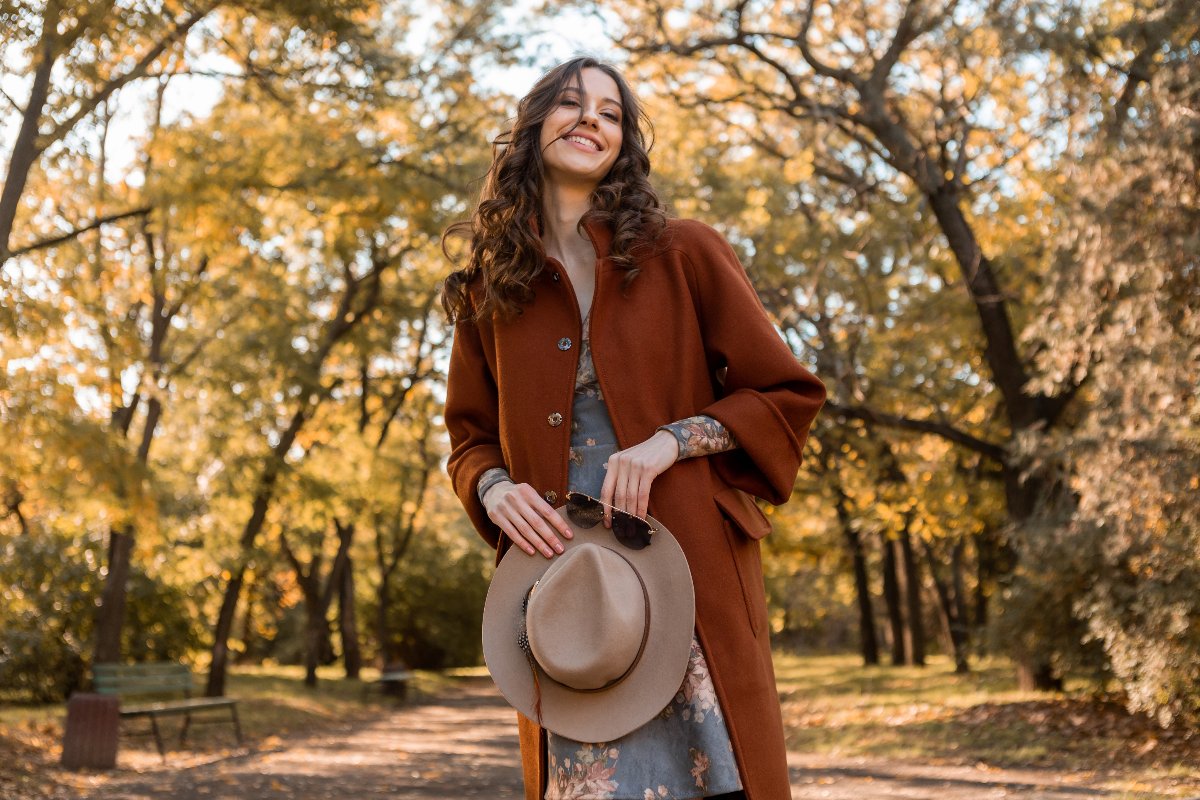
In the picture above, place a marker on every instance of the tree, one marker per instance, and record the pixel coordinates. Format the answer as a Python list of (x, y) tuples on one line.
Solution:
[(1125, 285), (927, 104)]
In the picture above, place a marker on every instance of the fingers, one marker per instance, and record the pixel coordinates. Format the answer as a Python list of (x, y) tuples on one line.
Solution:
[(606, 491), (529, 521), (643, 496), (627, 498), (631, 473)]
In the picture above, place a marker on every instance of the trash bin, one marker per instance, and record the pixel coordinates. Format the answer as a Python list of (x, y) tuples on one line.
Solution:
[(90, 740)]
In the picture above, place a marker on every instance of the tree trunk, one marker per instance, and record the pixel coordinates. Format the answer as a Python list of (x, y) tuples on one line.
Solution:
[(948, 608), (383, 629), (263, 496), (862, 588), (891, 597), (110, 616), (248, 634), (215, 686), (869, 642), (1034, 669), (314, 633), (1034, 674), (985, 573), (25, 147), (914, 625), (348, 624), (318, 638), (960, 594)]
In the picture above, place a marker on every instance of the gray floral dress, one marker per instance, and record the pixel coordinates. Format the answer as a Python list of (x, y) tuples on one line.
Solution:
[(684, 752)]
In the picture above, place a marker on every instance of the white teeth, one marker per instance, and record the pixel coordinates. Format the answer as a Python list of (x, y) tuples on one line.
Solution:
[(583, 141)]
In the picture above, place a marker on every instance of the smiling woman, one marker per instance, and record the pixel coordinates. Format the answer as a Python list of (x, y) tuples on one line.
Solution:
[(582, 136), (601, 349)]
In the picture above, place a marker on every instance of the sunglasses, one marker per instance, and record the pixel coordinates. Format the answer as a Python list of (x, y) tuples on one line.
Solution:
[(630, 530)]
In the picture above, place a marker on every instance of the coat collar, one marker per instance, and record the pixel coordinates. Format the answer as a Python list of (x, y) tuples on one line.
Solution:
[(598, 231)]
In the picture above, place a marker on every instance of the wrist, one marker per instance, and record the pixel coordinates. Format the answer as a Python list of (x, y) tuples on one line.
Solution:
[(670, 432), (492, 492), (669, 441)]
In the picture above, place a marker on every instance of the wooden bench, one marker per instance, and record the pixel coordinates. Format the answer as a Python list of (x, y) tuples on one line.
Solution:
[(164, 681), (392, 682)]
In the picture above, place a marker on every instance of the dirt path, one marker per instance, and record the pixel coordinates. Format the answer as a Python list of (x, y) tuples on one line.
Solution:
[(464, 745)]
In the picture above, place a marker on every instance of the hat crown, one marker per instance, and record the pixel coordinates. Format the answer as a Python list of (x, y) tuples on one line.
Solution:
[(587, 618)]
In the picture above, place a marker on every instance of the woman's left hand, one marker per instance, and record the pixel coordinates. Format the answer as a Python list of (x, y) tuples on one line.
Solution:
[(630, 473)]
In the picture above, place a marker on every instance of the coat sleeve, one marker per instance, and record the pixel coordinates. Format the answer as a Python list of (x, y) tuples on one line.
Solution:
[(768, 400), (473, 421)]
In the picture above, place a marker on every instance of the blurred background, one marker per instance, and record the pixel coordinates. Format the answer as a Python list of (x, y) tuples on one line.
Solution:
[(222, 359)]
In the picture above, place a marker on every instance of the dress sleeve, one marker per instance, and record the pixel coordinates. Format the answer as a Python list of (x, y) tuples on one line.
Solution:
[(699, 436), (491, 478), (473, 422), (768, 400)]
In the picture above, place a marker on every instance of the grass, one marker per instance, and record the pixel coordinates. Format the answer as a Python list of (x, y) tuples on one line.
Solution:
[(835, 706)]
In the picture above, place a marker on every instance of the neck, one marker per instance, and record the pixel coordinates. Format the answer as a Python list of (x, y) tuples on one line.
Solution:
[(562, 208)]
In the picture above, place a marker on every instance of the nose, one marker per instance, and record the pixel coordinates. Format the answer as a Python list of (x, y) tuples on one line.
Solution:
[(589, 118)]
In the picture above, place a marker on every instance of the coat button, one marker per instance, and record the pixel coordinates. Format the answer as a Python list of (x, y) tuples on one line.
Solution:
[(550, 496), (554, 419), (564, 343)]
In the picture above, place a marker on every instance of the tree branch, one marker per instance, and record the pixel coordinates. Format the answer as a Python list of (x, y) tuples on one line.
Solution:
[(138, 70), (91, 226), (942, 429)]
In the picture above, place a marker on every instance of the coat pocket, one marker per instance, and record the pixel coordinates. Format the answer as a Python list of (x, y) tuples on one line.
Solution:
[(739, 509), (743, 525)]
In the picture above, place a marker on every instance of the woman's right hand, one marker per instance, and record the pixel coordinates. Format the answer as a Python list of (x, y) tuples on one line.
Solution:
[(528, 520)]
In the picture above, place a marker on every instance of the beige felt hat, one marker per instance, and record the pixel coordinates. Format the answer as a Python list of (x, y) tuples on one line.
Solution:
[(593, 643)]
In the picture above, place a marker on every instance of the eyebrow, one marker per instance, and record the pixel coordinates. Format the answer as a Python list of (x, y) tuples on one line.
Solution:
[(616, 103)]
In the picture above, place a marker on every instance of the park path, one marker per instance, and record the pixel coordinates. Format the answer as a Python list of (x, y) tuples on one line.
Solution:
[(463, 744)]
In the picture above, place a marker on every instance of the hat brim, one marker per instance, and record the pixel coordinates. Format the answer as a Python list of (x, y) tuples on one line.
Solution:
[(599, 716)]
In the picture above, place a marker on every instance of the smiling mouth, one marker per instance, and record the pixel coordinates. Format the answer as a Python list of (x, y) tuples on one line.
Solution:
[(582, 141)]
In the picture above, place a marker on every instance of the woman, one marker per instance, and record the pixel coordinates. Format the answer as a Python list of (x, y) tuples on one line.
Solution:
[(600, 347)]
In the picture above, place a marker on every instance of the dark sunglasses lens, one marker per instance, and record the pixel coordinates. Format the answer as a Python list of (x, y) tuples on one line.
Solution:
[(631, 531), (587, 512), (583, 510)]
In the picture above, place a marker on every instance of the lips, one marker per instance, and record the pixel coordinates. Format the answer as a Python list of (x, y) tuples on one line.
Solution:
[(594, 144)]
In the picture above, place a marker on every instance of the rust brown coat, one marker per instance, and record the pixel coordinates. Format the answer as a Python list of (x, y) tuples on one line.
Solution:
[(657, 347)]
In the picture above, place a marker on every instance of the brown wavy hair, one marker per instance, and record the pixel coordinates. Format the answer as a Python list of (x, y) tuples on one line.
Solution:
[(504, 250)]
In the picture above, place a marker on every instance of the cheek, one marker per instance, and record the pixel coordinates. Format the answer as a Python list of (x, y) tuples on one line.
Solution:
[(614, 149)]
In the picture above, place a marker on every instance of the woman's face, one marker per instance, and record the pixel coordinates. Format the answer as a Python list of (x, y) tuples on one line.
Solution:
[(583, 152)]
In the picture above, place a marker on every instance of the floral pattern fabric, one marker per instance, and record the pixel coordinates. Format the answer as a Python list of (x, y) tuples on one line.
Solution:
[(700, 435), (682, 753)]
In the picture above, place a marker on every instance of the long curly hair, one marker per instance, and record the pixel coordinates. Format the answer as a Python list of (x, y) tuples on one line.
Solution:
[(504, 250)]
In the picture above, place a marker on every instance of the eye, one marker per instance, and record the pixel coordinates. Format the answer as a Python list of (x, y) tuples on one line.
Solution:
[(612, 115), (567, 101)]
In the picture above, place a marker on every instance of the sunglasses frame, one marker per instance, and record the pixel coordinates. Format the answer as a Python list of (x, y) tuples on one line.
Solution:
[(631, 540)]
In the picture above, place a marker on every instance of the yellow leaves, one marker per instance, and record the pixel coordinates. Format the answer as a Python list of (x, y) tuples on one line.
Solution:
[(757, 197), (799, 169)]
